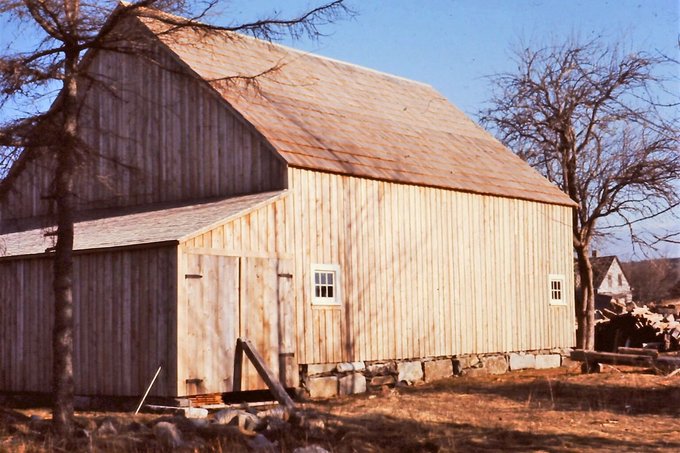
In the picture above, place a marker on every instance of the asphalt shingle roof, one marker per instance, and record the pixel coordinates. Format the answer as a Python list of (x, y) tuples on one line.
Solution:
[(159, 225)]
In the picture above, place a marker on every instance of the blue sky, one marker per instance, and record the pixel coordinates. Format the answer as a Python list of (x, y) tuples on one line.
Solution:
[(453, 45)]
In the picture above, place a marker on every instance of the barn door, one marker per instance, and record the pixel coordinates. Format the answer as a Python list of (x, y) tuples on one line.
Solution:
[(230, 297), (267, 319), (211, 322)]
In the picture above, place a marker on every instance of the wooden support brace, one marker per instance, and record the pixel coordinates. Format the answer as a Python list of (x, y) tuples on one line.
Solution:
[(245, 345)]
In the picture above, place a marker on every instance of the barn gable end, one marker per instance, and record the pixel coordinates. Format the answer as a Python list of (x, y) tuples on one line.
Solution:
[(157, 134)]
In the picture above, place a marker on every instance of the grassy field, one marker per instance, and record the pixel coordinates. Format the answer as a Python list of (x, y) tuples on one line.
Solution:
[(546, 410)]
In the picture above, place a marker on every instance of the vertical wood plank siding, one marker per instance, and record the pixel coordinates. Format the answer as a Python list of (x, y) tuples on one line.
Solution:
[(426, 272), (124, 322), (156, 135)]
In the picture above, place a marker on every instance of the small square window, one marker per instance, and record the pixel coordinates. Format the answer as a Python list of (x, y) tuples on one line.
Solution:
[(556, 288), (325, 278)]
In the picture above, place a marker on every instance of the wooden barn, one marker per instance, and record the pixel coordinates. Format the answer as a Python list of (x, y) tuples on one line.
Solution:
[(328, 212)]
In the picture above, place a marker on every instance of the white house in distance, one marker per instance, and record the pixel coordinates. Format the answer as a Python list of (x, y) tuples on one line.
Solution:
[(330, 214), (612, 288)]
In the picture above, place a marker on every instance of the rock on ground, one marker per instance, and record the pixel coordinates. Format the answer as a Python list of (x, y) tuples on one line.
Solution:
[(167, 434), (311, 449)]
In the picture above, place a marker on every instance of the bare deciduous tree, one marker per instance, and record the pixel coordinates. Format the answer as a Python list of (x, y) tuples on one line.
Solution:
[(66, 30), (588, 117)]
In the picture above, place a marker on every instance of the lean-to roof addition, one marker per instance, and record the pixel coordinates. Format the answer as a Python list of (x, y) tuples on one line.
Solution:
[(137, 228), (332, 116)]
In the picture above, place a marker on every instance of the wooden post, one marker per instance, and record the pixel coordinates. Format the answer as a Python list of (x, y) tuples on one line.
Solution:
[(238, 366)]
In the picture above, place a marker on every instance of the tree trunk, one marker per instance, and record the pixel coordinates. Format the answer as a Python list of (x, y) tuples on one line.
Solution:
[(62, 371), (585, 304)]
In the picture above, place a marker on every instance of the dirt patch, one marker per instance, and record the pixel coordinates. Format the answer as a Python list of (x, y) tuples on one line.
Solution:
[(623, 409)]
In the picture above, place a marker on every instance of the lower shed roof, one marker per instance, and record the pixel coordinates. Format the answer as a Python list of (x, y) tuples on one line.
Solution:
[(175, 223)]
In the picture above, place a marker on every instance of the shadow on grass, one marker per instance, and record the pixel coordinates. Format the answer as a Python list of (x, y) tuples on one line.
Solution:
[(386, 433), (567, 395)]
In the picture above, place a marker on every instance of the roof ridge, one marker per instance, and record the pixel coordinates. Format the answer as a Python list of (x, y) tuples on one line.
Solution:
[(217, 30), (311, 54)]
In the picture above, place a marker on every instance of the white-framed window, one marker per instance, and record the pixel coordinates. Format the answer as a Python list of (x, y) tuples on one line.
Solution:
[(326, 284), (557, 289)]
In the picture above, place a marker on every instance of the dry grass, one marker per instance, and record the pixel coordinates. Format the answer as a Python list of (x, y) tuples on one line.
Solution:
[(547, 410)]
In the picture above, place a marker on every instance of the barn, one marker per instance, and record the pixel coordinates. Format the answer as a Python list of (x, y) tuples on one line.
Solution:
[(327, 212)]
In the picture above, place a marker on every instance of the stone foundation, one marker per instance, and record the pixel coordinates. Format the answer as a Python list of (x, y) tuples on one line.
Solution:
[(331, 379)]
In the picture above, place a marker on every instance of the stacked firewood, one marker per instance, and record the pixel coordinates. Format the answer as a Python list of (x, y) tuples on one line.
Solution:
[(664, 324), (637, 327)]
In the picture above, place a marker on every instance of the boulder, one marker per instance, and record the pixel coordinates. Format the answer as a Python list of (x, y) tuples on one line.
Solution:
[(167, 435), (262, 444), (347, 367), (495, 364), (464, 362), (225, 416), (378, 369), (107, 428), (311, 449), (382, 380), (242, 419), (521, 361), (322, 387), (474, 372), (437, 369), (410, 371), (548, 361), (320, 368), (195, 412), (351, 384)]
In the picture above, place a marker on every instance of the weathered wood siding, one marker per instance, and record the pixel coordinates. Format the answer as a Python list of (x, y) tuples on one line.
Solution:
[(156, 135), (426, 272), (124, 322), (235, 281)]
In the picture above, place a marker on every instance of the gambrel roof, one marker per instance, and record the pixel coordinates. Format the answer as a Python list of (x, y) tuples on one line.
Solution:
[(327, 115), (162, 224)]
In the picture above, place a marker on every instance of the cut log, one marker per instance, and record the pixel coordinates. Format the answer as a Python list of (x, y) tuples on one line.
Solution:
[(612, 358), (638, 351)]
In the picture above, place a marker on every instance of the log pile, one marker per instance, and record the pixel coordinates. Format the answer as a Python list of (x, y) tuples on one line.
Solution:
[(638, 327), (626, 356)]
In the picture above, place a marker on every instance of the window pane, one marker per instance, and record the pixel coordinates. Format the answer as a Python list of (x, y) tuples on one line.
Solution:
[(330, 278), (330, 291), (316, 278), (323, 291), (317, 291), (323, 278)]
